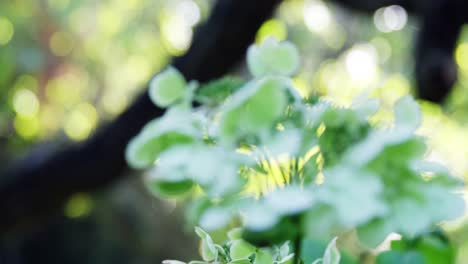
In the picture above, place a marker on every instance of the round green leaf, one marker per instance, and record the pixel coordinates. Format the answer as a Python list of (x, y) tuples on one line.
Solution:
[(167, 87), (273, 57), (263, 256), (241, 249), (176, 127), (255, 107)]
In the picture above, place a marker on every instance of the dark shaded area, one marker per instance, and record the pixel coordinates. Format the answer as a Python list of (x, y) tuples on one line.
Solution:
[(372, 5), (118, 229), (436, 69)]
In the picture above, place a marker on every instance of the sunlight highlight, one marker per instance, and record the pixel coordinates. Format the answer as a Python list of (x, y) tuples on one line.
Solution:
[(391, 18), (361, 64), (317, 16), (25, 103)]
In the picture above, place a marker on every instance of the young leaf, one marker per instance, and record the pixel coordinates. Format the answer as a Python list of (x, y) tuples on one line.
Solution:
[(217, 91), (240, 249), (255, 107), (169, 261), (176, 127), (263, 256), (272, 57), (332, 255), (208, 249), (167, 87)]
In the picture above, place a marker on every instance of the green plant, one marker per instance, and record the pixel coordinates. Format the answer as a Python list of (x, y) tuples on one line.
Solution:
[(237, 250), (288, 168)]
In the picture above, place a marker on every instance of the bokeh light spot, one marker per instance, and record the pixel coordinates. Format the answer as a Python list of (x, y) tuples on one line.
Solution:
[(461, 56), (394, 87), (26, 127), (81, 122), (114, 103), (176, 34), (64, 89), (6, 30), (26, 81), (61, 43), (317, 16), (190, 11), (384, 49), (79, 205), (25, 103), (361, 64), (391, 18)]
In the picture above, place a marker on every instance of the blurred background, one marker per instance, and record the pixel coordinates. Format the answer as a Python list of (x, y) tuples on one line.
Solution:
[(67, 67)]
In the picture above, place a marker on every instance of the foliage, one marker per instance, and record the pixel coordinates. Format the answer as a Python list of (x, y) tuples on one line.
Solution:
[(290, 168)]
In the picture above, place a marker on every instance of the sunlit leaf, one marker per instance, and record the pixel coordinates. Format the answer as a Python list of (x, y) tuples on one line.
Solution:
[(332, 255), (167, 87), (240, 249), (273, 57)]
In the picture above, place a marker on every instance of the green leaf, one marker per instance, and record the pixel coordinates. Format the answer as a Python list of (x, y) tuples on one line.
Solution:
[(353, 194), (167, 87), (169, 189), (272, 57), (143, 150), (176, 127), (396, 257), (374, 232), (320, 222), (436, 251), (408, 221), (169, 261), (289, 200), (208, 249), (240, 261), (255, 107), (217, 91), (286, 229), (258, 217), (235, 233), (366, 108), (285, 142), (332, 255), (263, 256), (240, 249), (311, 250), (407, 113), (215, 218)]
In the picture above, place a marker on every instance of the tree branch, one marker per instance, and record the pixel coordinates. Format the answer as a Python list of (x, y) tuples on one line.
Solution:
[(441, 23), (38, 186)]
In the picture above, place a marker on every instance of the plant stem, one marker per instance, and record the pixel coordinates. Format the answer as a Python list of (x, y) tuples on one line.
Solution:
[(297, 250)]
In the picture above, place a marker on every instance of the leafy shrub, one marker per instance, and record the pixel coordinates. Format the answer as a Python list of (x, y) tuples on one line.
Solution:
[(288, 168)]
